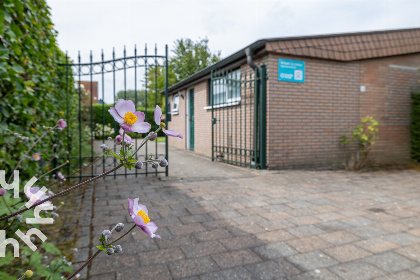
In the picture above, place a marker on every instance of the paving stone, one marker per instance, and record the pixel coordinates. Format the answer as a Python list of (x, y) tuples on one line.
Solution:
[(201, 209), (238, 273), (391, 262), (402, 275), (403, 239), (391, 227), (160, 256), (357, 271), (271, 270), (366, 232), (326, 217), (308, 244), (312, 260), (377, 245), (105, 276), (186, 229), (159, 271), (203, 249), (275, 216), (191, 267), (273, 225), (339, 237), (307, 230), (235, 258), (332, 226), (275, 236), (275, 250), (241, 242), (175, 241), (317, 274), (196, 218), (411, 252), (215, 234), (224, 214), (346, 253), (358, 221)]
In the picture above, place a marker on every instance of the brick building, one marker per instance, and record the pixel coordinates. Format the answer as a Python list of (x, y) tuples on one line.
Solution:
[(89, 90), (316, 88)]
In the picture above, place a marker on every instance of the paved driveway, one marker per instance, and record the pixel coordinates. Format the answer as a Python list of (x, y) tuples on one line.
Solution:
[(222, 222)]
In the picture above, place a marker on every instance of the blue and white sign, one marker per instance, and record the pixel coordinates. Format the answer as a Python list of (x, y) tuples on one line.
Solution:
[(291, 70)]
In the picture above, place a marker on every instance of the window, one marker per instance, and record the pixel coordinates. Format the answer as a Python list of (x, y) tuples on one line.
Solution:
[(227, 89), (175, 105)]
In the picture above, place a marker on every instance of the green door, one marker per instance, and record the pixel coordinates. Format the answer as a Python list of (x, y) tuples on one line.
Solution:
[(192, 119)]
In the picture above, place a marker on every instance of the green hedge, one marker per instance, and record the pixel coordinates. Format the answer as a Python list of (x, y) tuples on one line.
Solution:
[(415, 127), (98, 116), (32, 89)]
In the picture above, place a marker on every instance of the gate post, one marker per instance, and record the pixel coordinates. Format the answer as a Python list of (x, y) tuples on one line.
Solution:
[(256, 99), (262, 116)]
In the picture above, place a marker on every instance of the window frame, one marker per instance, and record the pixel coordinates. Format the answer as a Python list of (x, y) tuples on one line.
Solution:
[(229, 99), (175, 103)]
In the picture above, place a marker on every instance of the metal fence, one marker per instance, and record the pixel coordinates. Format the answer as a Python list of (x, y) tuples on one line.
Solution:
[(238, 100), (136, 77)]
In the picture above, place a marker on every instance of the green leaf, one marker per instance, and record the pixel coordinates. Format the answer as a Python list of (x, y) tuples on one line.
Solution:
[(18, 68), (101, 247), (5, 276), (35, 259), (50, 248), (6, 259)]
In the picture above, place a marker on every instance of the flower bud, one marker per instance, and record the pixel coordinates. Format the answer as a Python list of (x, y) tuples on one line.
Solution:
[(163, 163), (110, 251), (32, 239), (54, 208), (109, 138), (107, 233), (29, 273), (118, 249), (2, 191), (155, 165), (152, 136), (26, 139), (119, 227), (19, 218), (54, 215), (15, 134), (139, 165), (102, 146)]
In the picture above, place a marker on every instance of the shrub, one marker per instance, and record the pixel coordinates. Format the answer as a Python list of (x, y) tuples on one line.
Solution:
[(366, 132)]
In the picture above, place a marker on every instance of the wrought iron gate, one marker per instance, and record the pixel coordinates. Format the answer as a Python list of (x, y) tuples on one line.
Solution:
[(133, 77), (238, 100)]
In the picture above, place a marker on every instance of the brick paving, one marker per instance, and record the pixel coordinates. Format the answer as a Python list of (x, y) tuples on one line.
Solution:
[(223, 222)]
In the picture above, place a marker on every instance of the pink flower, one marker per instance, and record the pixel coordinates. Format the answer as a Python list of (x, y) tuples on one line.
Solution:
[(158, 116), (36, 157), (60, 175), (32, 196), (62, 123), (139, 214), (119, 138), (125, 114)]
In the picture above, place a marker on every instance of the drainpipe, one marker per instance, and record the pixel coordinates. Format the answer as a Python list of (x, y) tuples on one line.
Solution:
[(249, 55)]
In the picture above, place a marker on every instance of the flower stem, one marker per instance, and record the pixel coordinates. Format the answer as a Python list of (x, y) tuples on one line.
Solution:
[(123, 235), (27, 152), (144, 141), (63, 192), (85, 264), (4, 200), (53, 169)]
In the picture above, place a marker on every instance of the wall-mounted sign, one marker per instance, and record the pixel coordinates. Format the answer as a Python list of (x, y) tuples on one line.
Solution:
[(291, 70)]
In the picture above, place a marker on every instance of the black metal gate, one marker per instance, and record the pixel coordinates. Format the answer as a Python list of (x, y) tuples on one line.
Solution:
[(139, 78), (238, 99)]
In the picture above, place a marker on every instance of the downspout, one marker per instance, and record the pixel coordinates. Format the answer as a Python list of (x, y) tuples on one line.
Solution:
[(249, 55)]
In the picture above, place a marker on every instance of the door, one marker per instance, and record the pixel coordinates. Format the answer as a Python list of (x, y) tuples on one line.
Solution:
[(191, 118)]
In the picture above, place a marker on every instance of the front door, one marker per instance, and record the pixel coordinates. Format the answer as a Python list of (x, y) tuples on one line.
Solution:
[(191, 118)]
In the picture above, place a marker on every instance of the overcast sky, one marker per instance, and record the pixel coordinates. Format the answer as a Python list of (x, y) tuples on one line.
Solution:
[(229, 24)]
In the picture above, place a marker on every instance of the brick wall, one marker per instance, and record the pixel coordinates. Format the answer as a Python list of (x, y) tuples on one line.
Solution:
[(178, 123), (306, 120)]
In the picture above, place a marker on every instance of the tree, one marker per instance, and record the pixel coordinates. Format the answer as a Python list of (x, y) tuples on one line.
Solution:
[(189, 57), (130, 95)]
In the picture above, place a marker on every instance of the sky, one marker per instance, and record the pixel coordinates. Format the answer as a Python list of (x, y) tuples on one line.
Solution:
[(230, 25)]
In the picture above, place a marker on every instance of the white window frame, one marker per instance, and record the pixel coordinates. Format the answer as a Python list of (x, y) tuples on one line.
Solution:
[(175, 104), (225, 86)]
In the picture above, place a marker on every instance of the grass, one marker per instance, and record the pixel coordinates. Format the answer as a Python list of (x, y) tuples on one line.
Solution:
[(161, 139)]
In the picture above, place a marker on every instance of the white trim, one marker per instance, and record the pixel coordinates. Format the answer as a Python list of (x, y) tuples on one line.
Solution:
[(175, 112), (404, 67), (223, 105)]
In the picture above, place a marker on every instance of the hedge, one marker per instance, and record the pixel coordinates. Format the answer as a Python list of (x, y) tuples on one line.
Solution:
[(98, 116), (32, 91), (415, 127)]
